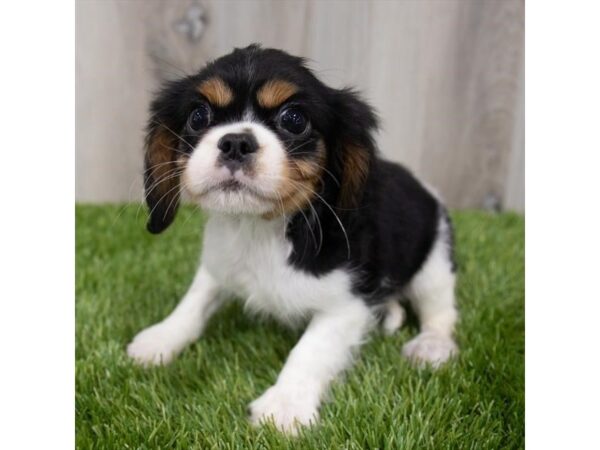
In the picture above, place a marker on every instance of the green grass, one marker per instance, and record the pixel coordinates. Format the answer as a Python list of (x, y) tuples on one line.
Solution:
[(127, 279)]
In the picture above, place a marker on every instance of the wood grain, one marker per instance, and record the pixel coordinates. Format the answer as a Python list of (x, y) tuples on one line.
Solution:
[(446, 77)]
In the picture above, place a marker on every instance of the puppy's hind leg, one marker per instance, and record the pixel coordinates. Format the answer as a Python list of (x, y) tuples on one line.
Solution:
[(161, 342), (431, 293)]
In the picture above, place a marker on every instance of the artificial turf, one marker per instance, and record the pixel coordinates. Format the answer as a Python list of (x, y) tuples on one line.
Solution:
[(127, 279)]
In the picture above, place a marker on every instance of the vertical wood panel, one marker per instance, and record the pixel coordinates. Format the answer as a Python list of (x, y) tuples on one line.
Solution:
[(445, 76), (514, 195), (111, 98)]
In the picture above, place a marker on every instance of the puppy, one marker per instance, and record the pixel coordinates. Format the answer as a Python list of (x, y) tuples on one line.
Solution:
[(306, 222)]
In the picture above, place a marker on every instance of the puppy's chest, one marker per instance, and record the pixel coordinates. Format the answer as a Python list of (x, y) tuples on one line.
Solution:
[(250, 259)]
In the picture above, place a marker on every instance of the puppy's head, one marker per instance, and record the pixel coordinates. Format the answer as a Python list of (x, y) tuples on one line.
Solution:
[(255, 132)]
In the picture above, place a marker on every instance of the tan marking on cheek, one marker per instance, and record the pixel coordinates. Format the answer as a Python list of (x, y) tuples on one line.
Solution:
[(356, 168), (274, 92), (306, 169), (299, 199), (216, 91), (299, 181)]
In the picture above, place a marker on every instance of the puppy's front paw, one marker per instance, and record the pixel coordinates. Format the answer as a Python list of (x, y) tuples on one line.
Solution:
[(289, 409), (156, 345), (430, 348)]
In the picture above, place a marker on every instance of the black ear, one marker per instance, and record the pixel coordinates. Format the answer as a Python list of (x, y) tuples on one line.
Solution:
[(355, 148), (161, 167)]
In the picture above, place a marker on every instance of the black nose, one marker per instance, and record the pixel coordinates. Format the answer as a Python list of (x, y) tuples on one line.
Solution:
[(237, 146)]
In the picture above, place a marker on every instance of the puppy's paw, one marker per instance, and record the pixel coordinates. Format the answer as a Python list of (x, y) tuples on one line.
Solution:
[(394, 317), (430, 348), (156, 345), (289, 409)]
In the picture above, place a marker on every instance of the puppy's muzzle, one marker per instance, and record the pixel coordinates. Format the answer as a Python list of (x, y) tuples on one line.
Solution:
[(236, 149)]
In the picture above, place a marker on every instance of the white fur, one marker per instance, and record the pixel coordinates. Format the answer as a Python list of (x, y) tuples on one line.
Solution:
[(202, 174), (394, 316), (248, 256), (161, 342), (321, 354), (431, 292)]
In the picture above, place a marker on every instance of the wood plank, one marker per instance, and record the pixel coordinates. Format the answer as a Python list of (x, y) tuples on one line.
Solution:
[(445, 76)]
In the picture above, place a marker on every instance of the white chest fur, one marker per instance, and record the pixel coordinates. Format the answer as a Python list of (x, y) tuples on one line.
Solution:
[(248, 257)]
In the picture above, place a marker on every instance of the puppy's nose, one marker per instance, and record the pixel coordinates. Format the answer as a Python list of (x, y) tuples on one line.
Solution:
[(237, 146)]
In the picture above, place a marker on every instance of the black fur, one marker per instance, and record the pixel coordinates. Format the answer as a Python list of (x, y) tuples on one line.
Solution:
[(387, 232)]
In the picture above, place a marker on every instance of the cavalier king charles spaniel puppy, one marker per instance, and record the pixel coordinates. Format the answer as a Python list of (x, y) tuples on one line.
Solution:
[(307, 223)]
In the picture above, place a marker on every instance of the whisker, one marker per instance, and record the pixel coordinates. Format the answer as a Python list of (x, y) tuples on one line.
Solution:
[(177, 196), (154, 185), (280, 200), (163, 196), (310, 141), (197, 208), (176, 150), (327, 171), (158, 165), (168, 176), (337, 218), (307, 223), (314, 211), (161, 124)]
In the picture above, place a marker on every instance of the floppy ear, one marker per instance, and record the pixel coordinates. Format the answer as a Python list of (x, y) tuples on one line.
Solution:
[(355, 151), (161, 168), (161, 178)]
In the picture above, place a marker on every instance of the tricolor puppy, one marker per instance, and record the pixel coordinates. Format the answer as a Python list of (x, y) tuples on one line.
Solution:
[(306, 222)]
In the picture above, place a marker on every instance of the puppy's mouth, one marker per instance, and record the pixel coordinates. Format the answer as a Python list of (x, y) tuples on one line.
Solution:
[(234, 185), (231, 185)]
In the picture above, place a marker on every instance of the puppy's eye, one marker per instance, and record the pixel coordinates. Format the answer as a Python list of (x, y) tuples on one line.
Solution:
[(292, 120), (199, 118)]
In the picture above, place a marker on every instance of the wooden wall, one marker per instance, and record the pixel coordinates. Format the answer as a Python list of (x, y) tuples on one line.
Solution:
[(447, 78)]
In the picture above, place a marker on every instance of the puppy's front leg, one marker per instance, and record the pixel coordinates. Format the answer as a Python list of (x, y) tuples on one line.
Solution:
[(321, 354), (161, 342)]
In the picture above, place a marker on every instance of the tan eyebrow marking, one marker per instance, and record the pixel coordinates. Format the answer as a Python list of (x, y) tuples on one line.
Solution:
[(216, 91), (274, 92)]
